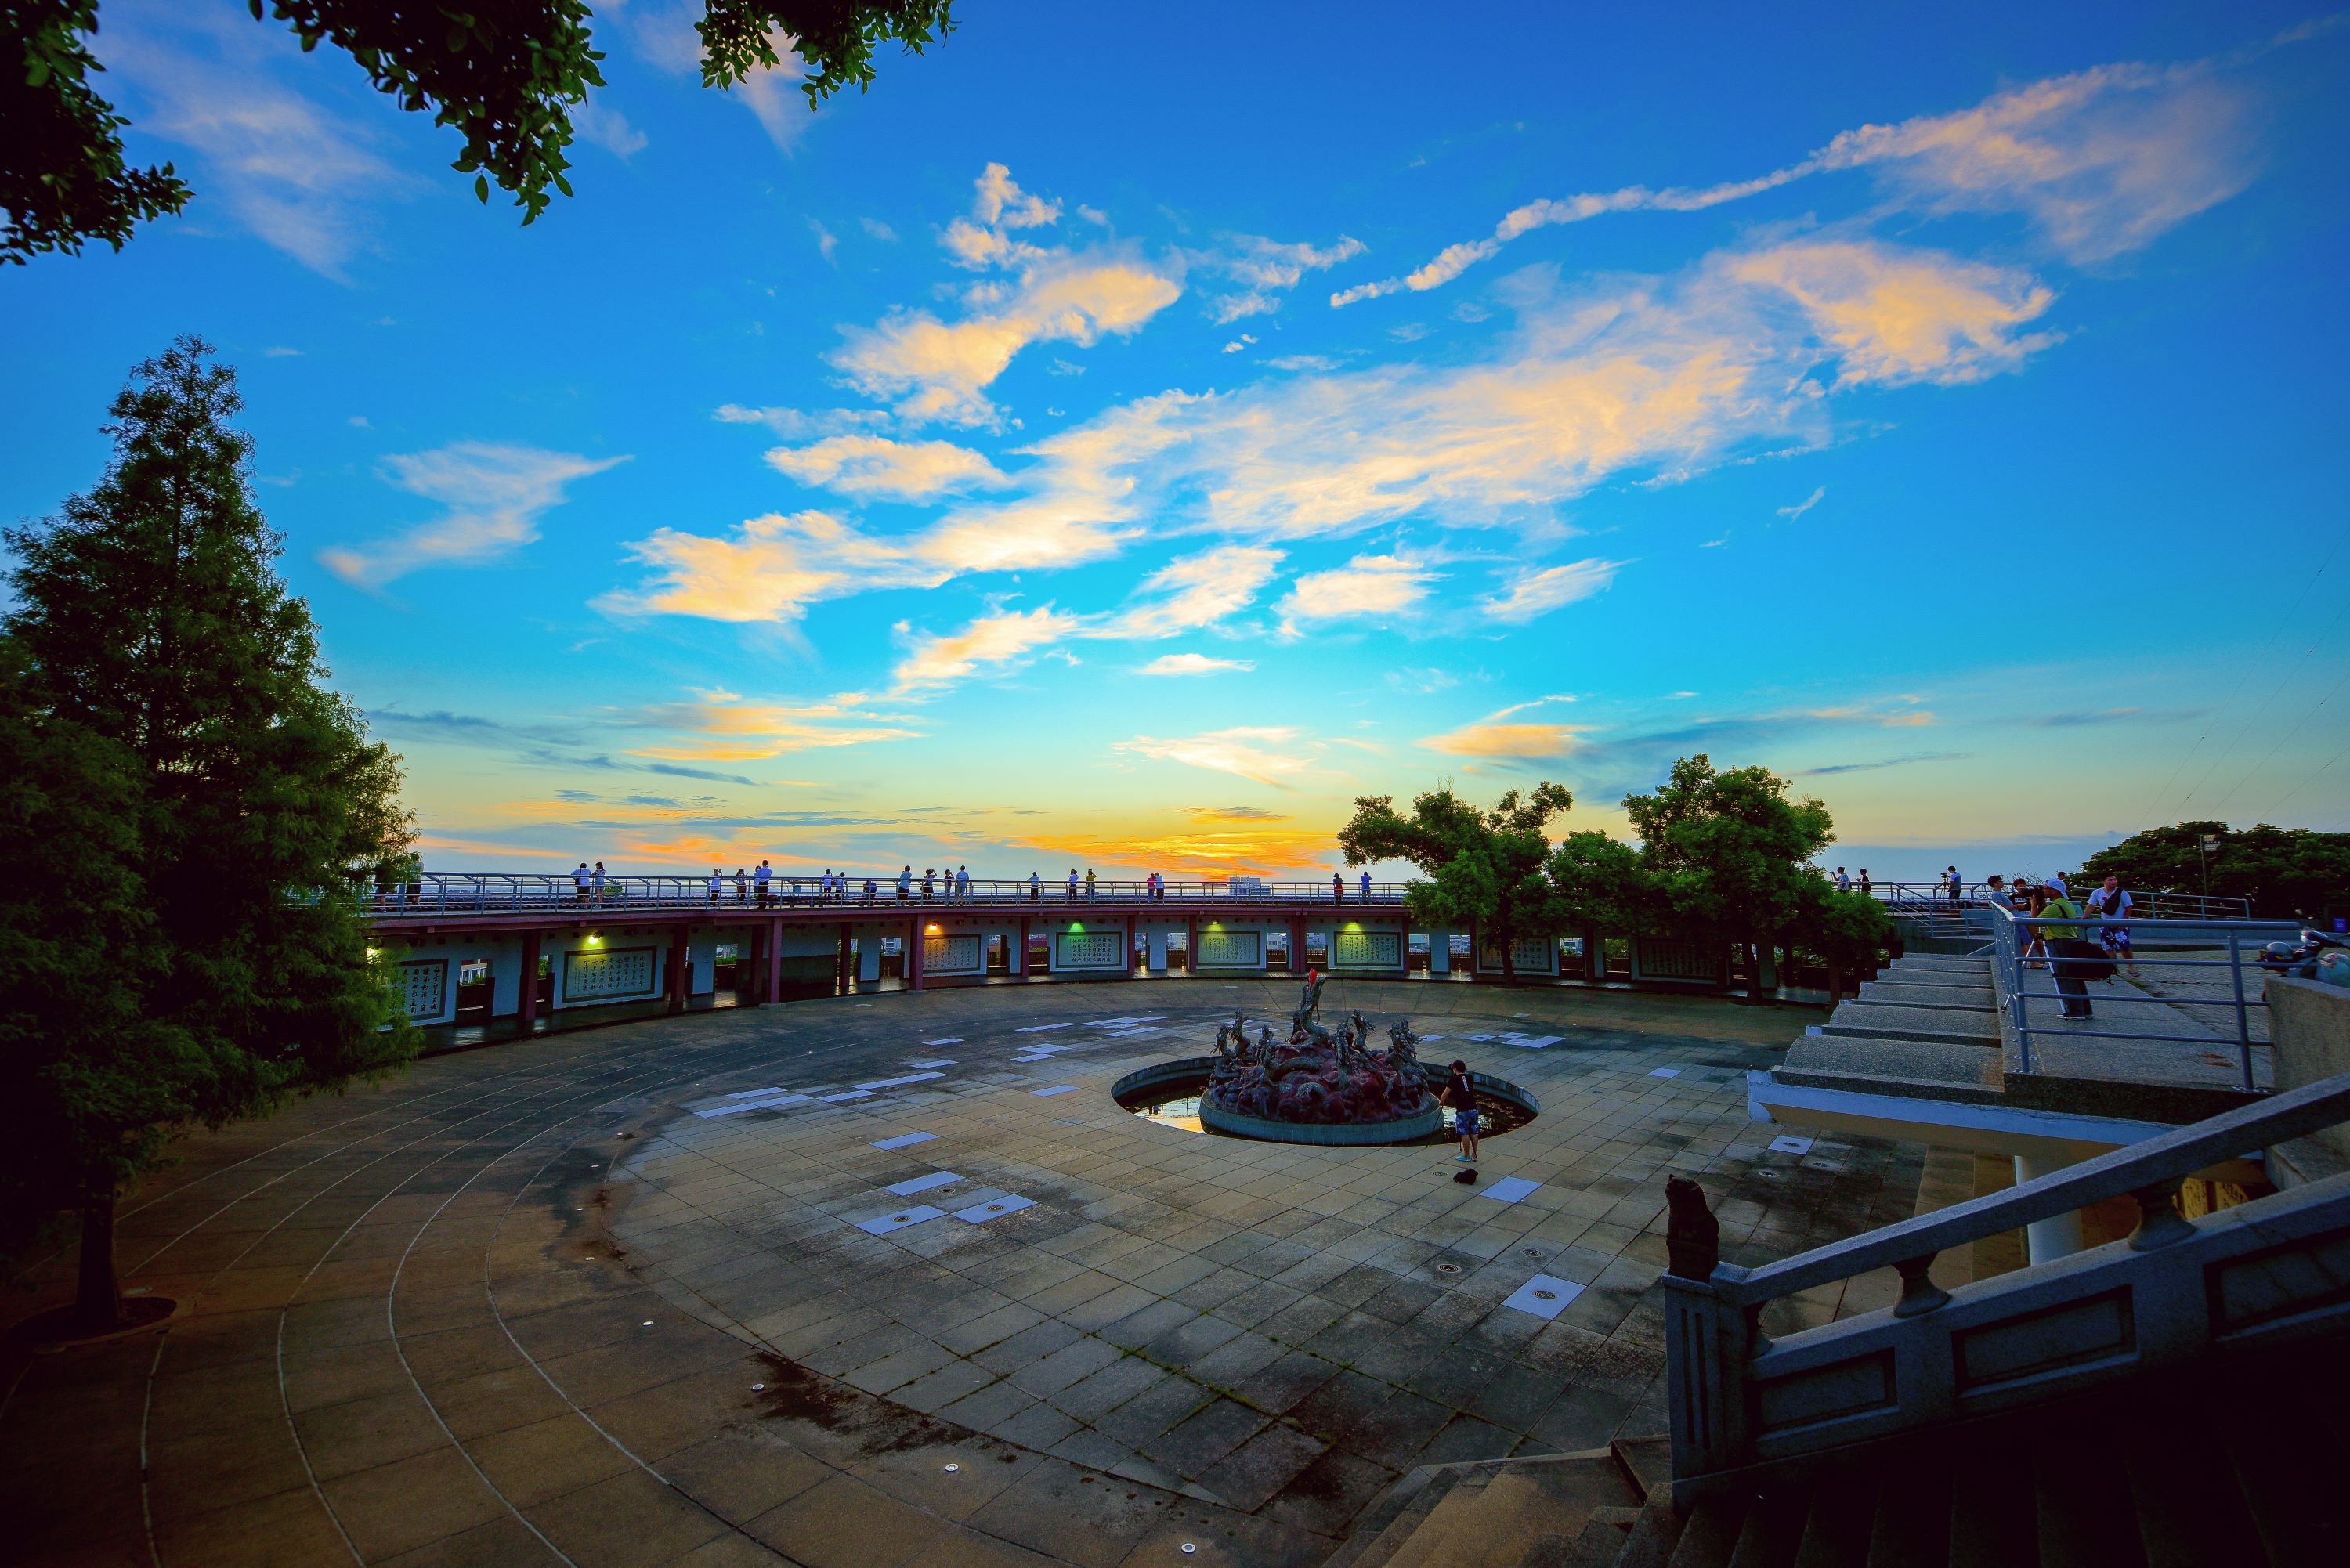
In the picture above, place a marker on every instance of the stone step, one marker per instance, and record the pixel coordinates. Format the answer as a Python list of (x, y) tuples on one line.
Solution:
[(1944, 961), (1924, 1068), (1885, 1020), (1498, 1514), (1977, 998)]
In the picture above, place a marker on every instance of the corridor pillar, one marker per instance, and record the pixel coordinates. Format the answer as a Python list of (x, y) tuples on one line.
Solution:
[(679, 971), (526, 1000), (1020, 954), (2045, 1240), (914, 954)]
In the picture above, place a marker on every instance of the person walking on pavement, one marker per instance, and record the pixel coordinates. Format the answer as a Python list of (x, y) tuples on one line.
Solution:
[(2110, 907)]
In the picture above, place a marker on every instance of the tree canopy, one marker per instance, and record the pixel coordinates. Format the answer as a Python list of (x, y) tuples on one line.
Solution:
[(1729, 851), (2283, 872), (1484, 867), (503, 74), (184, 807)]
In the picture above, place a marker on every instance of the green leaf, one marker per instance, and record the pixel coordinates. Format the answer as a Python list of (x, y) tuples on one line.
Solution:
[(482, 188)]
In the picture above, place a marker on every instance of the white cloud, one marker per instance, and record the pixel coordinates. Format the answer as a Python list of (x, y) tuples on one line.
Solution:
[(285, 167), (2100, 161), (826, 241), (1367, 588), (993, 640), (607, 129), (1002, 204), (495, 496), (771, 569), (1266, 753), (878, 230), (897, 470), (1197, 591), (796, 424), (1265, 269), (1892, 316), (940, 370), (282, 353), (1529, 593), (1805, 504), (1193, 664), (1237, 344)]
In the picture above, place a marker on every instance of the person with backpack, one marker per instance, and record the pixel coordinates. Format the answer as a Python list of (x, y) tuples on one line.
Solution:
[(2110, 907), (1460, 1095), (2068, 956)]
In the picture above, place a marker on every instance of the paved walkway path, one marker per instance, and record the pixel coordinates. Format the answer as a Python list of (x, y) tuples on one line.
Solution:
[(531, 1305)]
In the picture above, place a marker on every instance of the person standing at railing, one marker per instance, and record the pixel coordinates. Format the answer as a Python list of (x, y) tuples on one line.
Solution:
[(1864, 882), (1367, 887), (2067, 954), (762, 883), (742, 886), (1089, 884), (1337, 888), (2110, 906), (1035, 888), (962, 884), (1843, 882), (579, 883), (1995, 893), (905, 883), (716, 887), (1957, 885), (596, 881), (1073, 884)]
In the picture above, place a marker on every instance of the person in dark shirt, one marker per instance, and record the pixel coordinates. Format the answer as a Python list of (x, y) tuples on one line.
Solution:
[(1461, 1095)]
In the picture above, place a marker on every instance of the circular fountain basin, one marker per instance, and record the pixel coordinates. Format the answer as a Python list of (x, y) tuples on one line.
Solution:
[(1174, 1093)]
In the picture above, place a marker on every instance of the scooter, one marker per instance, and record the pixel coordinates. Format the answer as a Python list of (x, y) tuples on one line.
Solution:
[(2316, 950)]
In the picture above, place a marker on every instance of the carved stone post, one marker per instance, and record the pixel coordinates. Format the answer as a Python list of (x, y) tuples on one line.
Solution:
[(1706, 1342)]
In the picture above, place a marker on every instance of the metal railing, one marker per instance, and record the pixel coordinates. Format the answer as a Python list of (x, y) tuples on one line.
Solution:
[(2026, 949), (1932, 901), (506, 892), (2174, 1289)]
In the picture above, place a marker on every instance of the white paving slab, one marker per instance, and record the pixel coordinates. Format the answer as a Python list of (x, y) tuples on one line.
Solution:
[(1545, 1296), (1056, 1089), (919, 1066), (1510, 1188), (741, 1106), (883, 1224), (1531, 1041), (894, 1082), (1480, 1039), (1044, 1028), (994, 1208), (846, 1094), (904, 1140), (950, 1040), (1791, 1144), (1664, 1072), (913, 1185)]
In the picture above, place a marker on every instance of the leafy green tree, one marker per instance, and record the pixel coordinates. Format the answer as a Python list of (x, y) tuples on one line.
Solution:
[(1484, 867), (200, 803), (503, 74), (1850, 933), (1728, 851), (1598, 883), (2282, 872)]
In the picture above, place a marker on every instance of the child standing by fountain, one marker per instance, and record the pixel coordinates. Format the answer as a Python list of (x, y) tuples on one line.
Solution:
[(1461, 1095)]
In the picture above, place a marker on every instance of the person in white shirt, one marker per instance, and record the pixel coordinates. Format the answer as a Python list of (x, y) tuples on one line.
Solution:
[(717, 883), (962, 884), (596, 881), (1073, 884), (761, 882), (1843, 882), (580, 882), (1035, 888), (1367, 887), (905, 883), (2111, 904)]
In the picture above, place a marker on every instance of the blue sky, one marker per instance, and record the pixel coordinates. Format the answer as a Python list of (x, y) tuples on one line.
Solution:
[(1124, 436)]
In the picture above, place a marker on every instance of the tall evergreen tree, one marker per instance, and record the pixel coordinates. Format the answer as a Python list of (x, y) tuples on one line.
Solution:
[(187, 808)]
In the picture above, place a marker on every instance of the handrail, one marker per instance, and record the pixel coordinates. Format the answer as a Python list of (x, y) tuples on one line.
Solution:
[(475, 892), (2170, 1156)]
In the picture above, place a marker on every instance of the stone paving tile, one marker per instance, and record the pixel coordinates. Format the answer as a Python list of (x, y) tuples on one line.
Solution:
[(1169, 1292)]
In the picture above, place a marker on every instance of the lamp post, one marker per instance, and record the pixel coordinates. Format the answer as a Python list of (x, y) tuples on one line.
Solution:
[(2205, 844)]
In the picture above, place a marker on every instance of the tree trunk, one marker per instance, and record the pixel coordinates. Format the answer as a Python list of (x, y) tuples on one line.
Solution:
[(1506, 940), (97, 1305), (1836, 985)]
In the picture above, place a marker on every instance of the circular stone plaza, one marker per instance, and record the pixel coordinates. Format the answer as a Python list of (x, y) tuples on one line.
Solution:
[(886, 1280)]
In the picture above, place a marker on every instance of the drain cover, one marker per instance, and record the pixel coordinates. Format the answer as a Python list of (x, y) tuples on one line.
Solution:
[(1545, 1295), (1447, 1268), (1530, 1251)]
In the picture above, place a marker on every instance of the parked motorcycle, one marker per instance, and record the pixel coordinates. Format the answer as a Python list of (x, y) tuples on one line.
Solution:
[(2319, 955)]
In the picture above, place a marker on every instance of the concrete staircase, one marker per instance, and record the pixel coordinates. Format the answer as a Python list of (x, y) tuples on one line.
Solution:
[(1928, 1026), (2237, 1464)]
